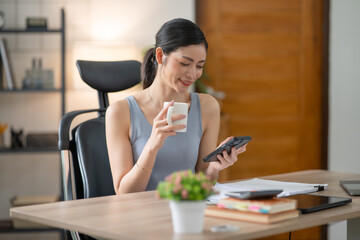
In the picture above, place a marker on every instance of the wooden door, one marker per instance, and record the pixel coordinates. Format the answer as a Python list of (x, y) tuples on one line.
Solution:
[(266, 55)]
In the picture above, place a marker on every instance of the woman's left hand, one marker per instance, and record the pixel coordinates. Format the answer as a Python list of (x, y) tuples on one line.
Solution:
[(227, 160)]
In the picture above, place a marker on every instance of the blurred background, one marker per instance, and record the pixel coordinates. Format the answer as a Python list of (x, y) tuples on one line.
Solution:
[(288, 71)]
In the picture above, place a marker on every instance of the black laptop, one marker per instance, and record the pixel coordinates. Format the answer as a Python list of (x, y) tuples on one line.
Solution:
[(308, 203)]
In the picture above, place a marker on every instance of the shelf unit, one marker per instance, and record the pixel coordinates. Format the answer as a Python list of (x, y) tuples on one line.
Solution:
[(60, 31), (6, 224), (61, 90), (29, 150), (30, 91)]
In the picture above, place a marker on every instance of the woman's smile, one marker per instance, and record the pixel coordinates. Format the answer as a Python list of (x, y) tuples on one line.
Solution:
[(186, 83)]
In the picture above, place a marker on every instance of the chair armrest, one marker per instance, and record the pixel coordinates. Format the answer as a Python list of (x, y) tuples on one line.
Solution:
[(65, 123)]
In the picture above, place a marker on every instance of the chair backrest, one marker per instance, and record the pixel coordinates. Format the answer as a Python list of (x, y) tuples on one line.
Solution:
[(93, 159), (85, 162)]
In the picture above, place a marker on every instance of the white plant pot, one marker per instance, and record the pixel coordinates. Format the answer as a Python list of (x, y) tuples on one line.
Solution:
[(188, 216)]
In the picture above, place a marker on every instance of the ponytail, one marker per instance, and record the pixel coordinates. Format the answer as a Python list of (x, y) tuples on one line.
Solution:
[(148, 68)]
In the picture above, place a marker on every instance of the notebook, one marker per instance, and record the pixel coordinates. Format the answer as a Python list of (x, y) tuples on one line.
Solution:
[(289, 188)]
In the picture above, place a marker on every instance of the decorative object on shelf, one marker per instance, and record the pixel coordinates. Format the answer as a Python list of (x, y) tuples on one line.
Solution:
[(37, 77), (41, 140), (187, 193), (3, 127), (2, 20), (6, 63), (17, 138), (36, 23)]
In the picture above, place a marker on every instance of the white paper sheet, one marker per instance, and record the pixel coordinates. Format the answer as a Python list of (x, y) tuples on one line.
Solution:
[(256, 184)]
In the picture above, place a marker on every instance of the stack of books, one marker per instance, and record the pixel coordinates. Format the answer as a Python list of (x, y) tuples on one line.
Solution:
[(259, 210)]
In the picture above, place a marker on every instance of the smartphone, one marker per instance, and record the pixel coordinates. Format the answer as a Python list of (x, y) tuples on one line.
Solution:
[(236, 141), (261, 194)]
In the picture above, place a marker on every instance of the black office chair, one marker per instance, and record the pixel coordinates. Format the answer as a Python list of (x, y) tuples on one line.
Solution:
[(85, 164)]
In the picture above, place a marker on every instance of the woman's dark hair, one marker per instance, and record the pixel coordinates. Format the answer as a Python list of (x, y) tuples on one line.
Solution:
[(172, 35)]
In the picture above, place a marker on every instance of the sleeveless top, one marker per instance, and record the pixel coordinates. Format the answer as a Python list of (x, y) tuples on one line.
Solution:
[(179, 152)]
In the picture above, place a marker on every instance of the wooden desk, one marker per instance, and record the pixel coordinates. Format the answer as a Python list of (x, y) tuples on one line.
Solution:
[(142, 216)]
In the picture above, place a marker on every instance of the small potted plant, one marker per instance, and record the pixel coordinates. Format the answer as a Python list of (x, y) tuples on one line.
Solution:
[(187, 193)]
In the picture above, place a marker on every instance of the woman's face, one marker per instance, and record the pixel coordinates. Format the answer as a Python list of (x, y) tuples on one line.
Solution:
[(183, 67)]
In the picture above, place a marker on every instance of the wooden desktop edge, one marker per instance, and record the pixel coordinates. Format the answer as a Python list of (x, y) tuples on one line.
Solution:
[(315, 219)]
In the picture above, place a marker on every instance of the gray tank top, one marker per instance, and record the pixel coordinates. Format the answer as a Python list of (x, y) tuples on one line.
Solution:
[(179, 152)]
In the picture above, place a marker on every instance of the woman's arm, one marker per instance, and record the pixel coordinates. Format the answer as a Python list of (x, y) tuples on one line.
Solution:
[(210, 117), (211, 126), (124, 174)]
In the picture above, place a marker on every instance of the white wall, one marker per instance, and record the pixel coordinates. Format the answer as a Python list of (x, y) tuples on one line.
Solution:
[(119, 22), (344, 124), (344, 150)]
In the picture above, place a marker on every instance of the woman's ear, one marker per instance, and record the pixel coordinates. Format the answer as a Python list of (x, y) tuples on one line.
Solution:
[(159, 54)]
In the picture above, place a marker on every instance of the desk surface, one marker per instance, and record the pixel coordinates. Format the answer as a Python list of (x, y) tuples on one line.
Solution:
[(143, 216)]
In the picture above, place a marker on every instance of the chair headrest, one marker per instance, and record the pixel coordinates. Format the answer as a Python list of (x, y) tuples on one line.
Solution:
[(109, 76)]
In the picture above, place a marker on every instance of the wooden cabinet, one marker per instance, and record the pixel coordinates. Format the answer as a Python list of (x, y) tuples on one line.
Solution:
[(267, 57)]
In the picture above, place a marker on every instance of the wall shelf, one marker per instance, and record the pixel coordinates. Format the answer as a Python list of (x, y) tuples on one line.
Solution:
[(9, 30), (29, 150), (61, 89), (60, 31), (6, 225), (30, 90)]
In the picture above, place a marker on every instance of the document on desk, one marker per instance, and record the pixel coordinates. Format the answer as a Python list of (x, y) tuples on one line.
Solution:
[(255, 184)]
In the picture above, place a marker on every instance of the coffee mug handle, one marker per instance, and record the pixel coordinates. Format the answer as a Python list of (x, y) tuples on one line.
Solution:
[(169, 113)]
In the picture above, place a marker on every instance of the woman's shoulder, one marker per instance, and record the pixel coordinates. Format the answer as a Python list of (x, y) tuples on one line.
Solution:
[(121, 107), (208, 100), (209, 104), (118, 108)]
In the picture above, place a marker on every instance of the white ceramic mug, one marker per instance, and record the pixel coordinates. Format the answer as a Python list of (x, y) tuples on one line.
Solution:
[(177, 108)]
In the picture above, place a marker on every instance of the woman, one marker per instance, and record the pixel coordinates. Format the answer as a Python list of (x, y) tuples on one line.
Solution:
[(142, 147)]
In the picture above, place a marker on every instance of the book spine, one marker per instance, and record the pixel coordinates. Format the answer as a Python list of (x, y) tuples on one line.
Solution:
[(6, 64), (1, 74), (245, 207)]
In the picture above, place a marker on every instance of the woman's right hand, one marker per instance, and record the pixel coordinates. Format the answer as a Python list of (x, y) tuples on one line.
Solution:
[(161, 129)]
